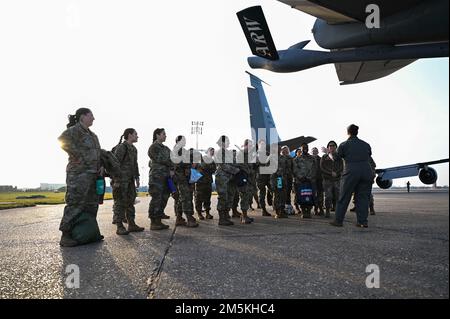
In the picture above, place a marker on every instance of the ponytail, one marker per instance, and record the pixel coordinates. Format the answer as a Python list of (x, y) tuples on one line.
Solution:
[(125, 134), (74, 119)]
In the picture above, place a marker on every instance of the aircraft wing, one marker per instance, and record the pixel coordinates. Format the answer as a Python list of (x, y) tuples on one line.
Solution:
[(295, 143), (357, 72), (426, 174), (343, 11)]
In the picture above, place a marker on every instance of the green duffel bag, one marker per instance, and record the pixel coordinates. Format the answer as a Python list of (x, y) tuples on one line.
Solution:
[(86, 230)]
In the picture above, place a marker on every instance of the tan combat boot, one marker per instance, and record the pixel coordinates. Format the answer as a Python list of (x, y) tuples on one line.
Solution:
[(265, 212), (156, 224), (121, 230), (208, 215), (132, 227), (200, 216), (306, 212), (180, 221), (245, 219), (191, 221), (235, 213), (223, 220)]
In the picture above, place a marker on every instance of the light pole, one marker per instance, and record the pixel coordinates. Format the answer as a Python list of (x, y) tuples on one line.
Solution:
[(197, 129)]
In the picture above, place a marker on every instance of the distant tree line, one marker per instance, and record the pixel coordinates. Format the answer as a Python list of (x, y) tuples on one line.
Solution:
[(7, 188)]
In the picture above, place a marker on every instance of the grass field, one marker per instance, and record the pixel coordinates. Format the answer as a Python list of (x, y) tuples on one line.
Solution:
[(8, 200)]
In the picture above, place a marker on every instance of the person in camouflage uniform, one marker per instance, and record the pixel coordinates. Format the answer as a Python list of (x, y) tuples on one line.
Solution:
[(331, 166), (252, 179), (298, 153), (203, 187), (161, 169), (246, 159), (318, 196), (225, 186), (84, 166), (124, 188), (278, 181), (185, 190), (305, 171), (234, 207), (263, 180), (286, 157)]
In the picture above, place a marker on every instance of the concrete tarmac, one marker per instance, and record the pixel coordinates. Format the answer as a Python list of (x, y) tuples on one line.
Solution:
[(289, 258)]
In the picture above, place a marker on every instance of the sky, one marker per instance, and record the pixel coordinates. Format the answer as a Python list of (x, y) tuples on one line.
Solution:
[(150, 64)]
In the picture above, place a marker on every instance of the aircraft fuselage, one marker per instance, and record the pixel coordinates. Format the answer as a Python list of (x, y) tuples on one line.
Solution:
[(424, 23)]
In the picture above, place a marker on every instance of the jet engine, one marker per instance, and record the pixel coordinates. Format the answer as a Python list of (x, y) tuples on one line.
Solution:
[(428, 175), (383, 183)]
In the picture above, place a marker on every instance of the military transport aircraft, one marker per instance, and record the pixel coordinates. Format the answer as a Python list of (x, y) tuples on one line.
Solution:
[(261, 120), (361, 48)]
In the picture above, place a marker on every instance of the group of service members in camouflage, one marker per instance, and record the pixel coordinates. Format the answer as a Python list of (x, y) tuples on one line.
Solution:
[(255, 171)]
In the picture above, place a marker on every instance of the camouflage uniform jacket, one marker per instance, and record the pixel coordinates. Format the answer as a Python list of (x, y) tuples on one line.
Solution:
[(83, 148), (283, 168), (328, 165), (317, 160), (246, 162), (304, 167), (224, 160), (289, 165), (262, 160), (127, 155), (160, 162), (207, 167), (183, 168)]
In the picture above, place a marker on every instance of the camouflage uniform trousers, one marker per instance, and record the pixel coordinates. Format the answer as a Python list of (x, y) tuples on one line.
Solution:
[(289, 190), (81, 197), (262, 182), (331, 189), (318, 194), (279, 193), (245, 195), (183, 198), (124, 196), (226, 190), (236, 198), (203, 197), (253, 190), (160, 193)]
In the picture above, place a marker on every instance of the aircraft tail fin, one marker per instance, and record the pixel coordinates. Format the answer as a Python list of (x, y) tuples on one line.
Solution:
[(261, 120), (257, 32)]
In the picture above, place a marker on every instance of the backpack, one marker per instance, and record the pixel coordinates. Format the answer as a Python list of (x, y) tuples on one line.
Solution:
[(305, 195), (110, 163), (86, 229), (241, 178)]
